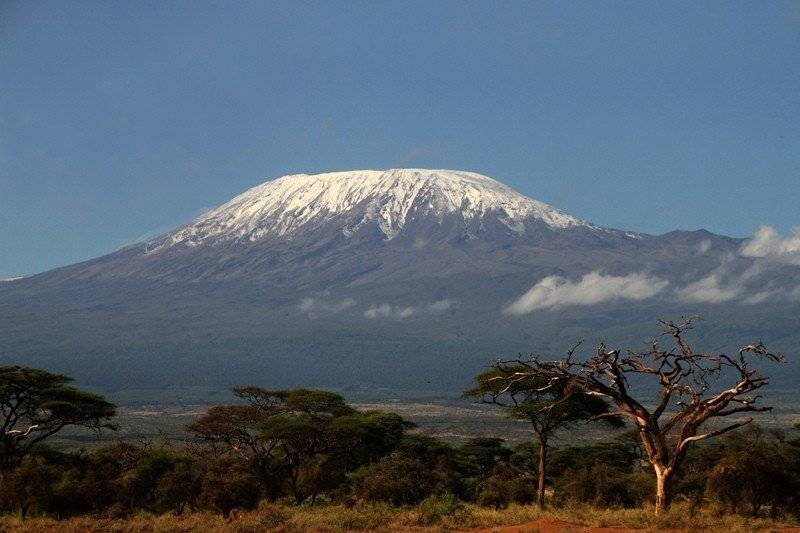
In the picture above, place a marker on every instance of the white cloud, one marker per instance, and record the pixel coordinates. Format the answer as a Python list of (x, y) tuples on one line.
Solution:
[(704, 246), (307, 305), (315, 306), (376, 311), (405, 312), (343, 305), (767, 243), (767, 251), (709, 290), (440, 305), (399, 312), (389, 311), (761, 297), (593, 288)]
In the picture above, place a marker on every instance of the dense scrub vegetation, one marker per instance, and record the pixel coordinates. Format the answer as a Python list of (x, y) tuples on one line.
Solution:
[(274, 453), (279, 449)]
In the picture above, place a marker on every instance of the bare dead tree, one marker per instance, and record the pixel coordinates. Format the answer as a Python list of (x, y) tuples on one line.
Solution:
[(687, 400)]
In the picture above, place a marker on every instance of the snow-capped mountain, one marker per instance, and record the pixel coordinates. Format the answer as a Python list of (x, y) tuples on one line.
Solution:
[(345, 227), (387, 200), (376, 278)]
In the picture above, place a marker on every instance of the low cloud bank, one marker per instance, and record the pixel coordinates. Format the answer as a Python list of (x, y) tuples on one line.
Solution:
[(768, 244), (709, 290), (768, 252), (316, 306), (389, 311), (399, 312), (593, 288), (441, 306)]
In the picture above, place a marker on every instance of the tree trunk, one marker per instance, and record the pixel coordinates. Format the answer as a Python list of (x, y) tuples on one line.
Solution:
[(542, 463), (756, 507), (663, 490)]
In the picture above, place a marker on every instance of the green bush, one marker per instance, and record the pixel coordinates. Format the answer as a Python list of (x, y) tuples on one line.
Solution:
[(603, 486), (433, 508), (396, 479), (503, 487), (229, 485)]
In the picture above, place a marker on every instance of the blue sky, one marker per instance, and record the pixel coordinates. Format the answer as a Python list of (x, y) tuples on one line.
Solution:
[(125, 119)]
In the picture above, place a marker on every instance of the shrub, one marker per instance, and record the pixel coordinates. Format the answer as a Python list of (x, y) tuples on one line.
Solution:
[(396, 479), (492, 493), (229, 485), (520, 490), (29, 487), (433, 508), (178, 488), (601, 485)]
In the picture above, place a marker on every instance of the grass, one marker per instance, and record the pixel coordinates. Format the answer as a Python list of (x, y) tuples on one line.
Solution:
[(434, 515)]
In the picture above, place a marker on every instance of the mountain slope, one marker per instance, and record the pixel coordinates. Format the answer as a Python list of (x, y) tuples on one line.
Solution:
[(400, 278), (347, 227)]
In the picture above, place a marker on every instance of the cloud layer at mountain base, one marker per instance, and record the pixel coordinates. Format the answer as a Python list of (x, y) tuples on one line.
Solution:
[(768, 244), (399, 312), (752, 281), (319, 305), (389, 311), (593, 288)]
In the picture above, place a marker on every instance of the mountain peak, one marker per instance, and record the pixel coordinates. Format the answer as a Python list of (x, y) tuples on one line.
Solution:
[(386, 198)]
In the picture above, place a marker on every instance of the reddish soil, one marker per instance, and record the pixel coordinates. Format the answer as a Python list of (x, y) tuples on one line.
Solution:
[(538, 526), (559, 526)]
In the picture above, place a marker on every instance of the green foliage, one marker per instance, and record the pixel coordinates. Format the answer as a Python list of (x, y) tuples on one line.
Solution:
[(480, 455), (179, 487), (36, 404), (363, 437), (604, 486), (396, 479), (620, 453), (310, 447), (229, 485), (427, 449), (307, 440), (505, 486), (295, 400), (550, 406), (433, 508), (29, 487), (755, 471), (138, 485)]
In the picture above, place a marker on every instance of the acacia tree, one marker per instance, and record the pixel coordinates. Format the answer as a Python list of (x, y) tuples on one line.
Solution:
[(241, 427), (686, 401), (756, 469), (36, 404), (549, 407), (308, 437)]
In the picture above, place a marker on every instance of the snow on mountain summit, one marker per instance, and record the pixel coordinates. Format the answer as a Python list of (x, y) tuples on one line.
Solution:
[(386, 198)]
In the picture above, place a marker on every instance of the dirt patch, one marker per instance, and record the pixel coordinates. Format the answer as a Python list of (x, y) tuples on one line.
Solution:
[(559, 526), (537, 526)]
